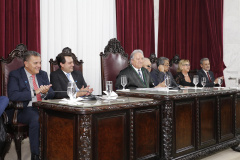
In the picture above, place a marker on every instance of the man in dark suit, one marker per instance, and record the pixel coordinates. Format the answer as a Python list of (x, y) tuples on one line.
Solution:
[(29, 84), (162, 72), (205, 72), (60, 78), (137, 75)]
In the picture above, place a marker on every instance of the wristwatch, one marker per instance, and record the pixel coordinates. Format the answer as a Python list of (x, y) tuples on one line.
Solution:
[(34, 92)]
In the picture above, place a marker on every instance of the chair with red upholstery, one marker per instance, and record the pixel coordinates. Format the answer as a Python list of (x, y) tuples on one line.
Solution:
[(19, 131), (78, 65), (113, 60)]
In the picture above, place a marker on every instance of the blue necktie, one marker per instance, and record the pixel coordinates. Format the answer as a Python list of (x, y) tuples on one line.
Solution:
[(68, 76)]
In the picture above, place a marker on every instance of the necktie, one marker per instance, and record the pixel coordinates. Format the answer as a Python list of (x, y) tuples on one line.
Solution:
[(35, 88), (68, 76), (139, 72), (209, 77)]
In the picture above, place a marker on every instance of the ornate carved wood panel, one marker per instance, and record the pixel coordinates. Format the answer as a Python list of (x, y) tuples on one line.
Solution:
[(110, 136), (227, 119), (60, 134), (146, 133), (208, 122), (184, 128)]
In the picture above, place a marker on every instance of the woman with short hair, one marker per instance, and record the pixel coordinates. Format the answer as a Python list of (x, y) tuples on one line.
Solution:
[(183, 77)]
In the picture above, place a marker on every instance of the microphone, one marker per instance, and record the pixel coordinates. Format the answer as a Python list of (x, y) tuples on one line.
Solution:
[(66, 91)]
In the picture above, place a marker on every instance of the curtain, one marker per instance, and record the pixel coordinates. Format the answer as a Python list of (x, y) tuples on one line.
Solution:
[(20, 23), (84, 26), (135, 25), (194, 30)]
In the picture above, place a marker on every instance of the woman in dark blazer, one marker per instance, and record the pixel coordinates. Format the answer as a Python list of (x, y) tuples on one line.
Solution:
[(183, 78)]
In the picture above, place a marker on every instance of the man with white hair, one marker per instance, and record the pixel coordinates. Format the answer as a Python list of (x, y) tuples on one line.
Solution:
[(137, 75)]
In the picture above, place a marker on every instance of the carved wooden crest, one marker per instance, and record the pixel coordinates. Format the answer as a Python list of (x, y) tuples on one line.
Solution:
[(67, 50), (17, 52), (153, 58), (175, 60), (114, 46)]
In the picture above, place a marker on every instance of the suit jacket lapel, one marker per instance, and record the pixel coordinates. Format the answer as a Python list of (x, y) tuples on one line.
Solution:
[(75, 77), (137, 77), (39, 79), (63, 76), (145, 77), (25, 78)]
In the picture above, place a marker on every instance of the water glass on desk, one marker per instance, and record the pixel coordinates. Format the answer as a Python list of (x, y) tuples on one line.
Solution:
[(123, 81), (109, 88), (167, 82), (203, 81), (195, 80), (71, 90)]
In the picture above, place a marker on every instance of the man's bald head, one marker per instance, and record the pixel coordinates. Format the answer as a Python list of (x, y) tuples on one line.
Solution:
[(147, 64)]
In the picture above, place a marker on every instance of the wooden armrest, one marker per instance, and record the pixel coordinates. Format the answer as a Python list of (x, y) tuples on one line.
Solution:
[(15, 105), (5, 118)]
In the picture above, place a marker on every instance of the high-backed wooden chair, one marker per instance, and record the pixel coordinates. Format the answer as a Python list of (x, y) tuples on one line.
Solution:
[(113, 60), (14, 61), (174, 65), (153, 60), (78, 65)]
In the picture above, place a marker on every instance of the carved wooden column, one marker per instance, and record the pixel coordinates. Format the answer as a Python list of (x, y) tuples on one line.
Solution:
[(167, 127), (84, 137)]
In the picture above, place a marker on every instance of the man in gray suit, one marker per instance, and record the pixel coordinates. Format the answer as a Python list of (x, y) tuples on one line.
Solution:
[(137, 75), (205, 72)]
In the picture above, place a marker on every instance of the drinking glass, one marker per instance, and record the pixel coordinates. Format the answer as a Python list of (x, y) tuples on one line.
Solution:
[(109, 88), (195, 80), (123, 81), (71, 90), (167, 82), (220, 81), (203, 81)]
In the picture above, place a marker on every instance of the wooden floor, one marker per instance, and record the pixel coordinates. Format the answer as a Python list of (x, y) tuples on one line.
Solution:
[(227, 154)]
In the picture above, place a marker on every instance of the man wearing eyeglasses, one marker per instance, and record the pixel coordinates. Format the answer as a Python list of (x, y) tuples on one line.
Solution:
[(147, 64), (159, 75)]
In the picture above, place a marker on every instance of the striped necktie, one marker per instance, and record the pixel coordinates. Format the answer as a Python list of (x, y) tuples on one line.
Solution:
[(139, 72), (209, 77)]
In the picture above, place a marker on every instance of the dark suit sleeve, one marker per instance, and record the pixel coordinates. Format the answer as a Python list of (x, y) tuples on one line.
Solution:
[(50, 93), (80, 80), (118, 81), (57, 86), (17, 89), (153, 75), (173, 82), (208, 83)]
